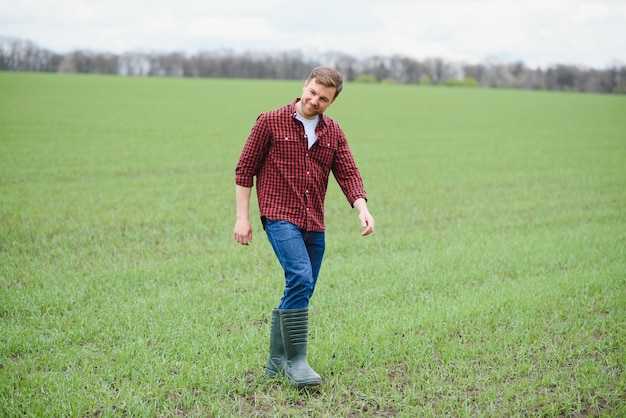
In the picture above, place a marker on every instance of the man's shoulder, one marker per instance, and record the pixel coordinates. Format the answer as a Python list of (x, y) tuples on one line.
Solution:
[(283, 111), (330, 124), (329, 121)]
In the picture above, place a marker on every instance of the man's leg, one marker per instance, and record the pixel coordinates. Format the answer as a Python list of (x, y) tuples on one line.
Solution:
[(315, 246), (300, 254), (275, 364), (291, 250)]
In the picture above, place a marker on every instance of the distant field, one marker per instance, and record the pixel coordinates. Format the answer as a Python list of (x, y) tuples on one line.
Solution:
[(494, 285)]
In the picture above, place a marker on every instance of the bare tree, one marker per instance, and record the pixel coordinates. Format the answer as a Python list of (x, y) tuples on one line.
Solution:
[(20, 55)]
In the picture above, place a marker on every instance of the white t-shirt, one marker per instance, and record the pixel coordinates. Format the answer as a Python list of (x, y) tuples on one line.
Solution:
[(309, 128)]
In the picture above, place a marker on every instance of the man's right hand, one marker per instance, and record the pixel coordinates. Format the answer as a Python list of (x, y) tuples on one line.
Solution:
[(243, 231)]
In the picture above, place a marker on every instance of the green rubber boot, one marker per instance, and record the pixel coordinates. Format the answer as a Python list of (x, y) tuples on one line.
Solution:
[(295, 329), (277, 350)]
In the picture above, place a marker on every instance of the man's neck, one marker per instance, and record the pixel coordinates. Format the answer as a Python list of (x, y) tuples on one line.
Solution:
[(301, 113)]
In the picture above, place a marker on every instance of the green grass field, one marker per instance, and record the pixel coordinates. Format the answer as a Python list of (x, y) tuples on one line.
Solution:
[(494, 285)]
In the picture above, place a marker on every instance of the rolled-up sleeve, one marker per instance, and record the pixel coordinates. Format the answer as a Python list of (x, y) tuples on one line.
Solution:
[(347, 174), (253, 153)]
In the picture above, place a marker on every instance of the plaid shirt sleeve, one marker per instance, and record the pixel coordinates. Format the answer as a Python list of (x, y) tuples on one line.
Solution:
[(254, 153), (345, 170)]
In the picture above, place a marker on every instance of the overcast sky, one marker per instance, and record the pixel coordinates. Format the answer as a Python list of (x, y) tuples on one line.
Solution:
[(537, 32)]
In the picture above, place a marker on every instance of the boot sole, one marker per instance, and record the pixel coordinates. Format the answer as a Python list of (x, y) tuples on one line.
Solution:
[(275, 369), (306, 383), (271, 373)]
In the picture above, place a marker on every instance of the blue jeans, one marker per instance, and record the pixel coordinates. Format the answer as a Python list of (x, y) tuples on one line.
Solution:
[(300, 254)]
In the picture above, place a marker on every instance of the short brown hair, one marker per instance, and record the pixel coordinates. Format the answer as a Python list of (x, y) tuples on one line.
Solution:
[(328, 77)]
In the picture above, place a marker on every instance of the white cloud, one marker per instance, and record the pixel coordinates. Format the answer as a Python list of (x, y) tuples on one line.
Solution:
[(588, 12), (538, 32), (231, 28)]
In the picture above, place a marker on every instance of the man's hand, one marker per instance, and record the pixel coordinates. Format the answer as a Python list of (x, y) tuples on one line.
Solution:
[(243, 228), (367, 220), (243, 231)]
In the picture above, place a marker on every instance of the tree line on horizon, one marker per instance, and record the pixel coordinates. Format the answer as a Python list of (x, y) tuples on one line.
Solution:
[(24, 55)]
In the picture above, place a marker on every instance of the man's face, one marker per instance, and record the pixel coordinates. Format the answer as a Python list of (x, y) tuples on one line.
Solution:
[(315, 99)]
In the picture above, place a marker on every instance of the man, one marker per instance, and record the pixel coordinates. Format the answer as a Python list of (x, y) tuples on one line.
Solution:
[(292, 151)]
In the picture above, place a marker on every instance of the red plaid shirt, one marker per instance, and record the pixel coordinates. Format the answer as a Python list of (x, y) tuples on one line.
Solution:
[(291, 178)]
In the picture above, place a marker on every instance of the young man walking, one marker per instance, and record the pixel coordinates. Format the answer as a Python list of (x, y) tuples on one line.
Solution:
[(292, 151)]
